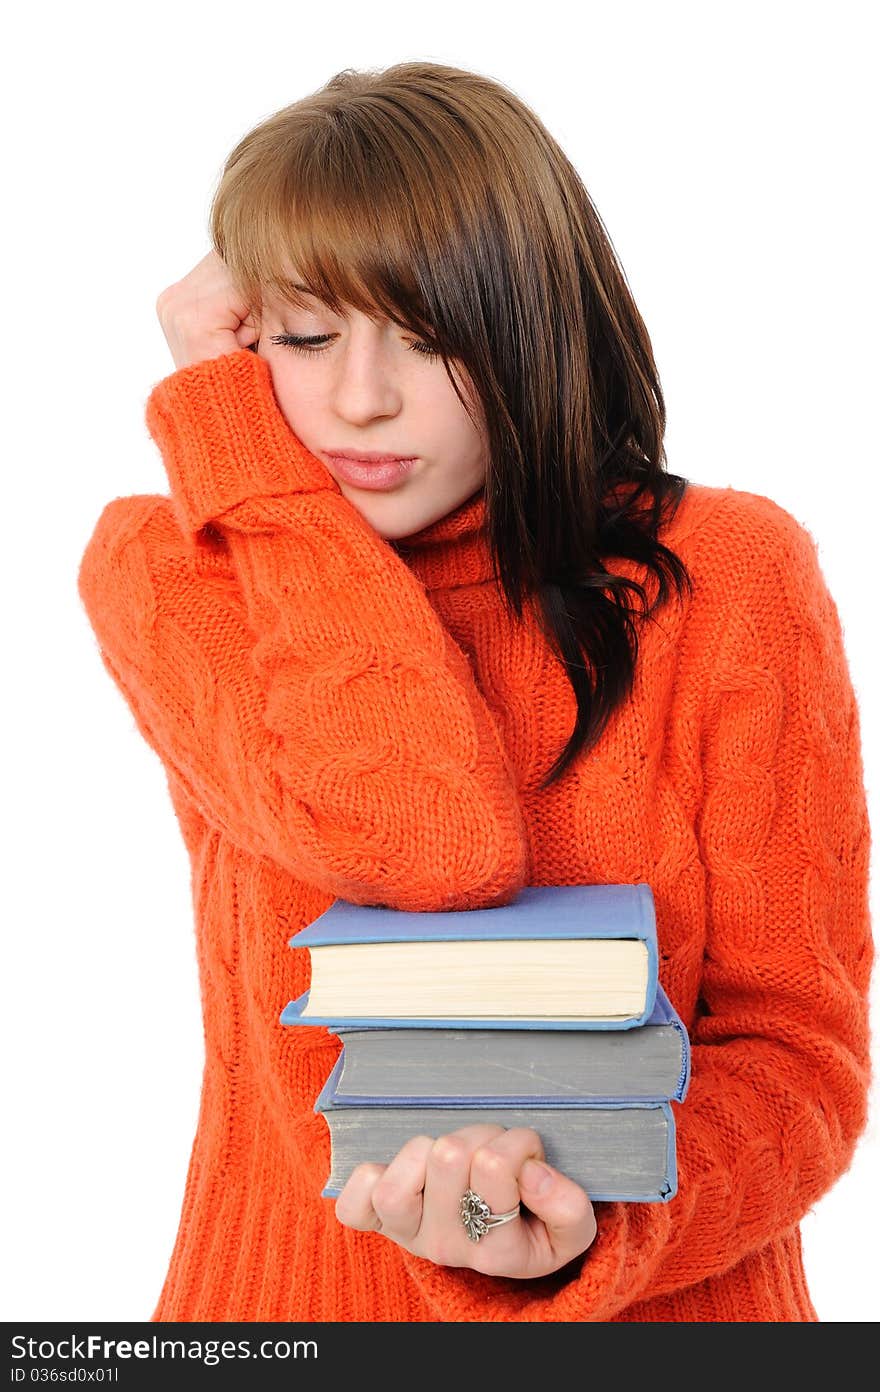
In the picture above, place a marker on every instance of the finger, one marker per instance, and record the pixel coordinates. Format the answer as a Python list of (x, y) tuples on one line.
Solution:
[(517, 1144), (354, 1205), (446, 1179), (561, 1205), (496, 1164), (478, 1133), (493, 1177), (397, 1195), (249, 329)]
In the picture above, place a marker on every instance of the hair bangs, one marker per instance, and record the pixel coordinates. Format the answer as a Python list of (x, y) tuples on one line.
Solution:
[(347, 227)]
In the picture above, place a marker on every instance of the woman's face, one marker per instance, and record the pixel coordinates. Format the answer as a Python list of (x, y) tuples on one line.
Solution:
[(366, 388)]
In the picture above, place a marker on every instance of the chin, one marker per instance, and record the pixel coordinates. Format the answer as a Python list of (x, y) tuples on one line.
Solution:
[(392, 516)]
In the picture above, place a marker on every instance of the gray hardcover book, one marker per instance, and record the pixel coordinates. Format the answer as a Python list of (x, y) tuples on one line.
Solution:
[(650, 1063), (622, 1152)]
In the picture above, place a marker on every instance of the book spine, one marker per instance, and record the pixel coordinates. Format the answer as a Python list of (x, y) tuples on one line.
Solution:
[(648, 923), (684, 1077)]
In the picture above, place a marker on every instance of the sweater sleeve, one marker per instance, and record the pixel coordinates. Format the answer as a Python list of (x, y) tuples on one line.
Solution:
[(287, 666), (780, 1059)]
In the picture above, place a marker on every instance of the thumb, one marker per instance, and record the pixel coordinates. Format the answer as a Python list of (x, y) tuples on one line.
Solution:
[(562, 1206), (248, 331)]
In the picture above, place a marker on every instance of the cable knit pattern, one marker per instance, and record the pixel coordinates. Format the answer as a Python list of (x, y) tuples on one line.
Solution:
[(342, 716)]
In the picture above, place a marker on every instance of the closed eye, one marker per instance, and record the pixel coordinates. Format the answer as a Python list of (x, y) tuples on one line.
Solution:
[(314, 343)]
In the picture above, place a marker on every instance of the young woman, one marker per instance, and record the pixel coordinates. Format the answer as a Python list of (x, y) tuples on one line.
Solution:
[(518, 652)]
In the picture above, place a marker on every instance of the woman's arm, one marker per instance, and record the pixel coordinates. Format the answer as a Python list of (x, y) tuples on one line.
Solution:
[(288, 668), (780, 1064)]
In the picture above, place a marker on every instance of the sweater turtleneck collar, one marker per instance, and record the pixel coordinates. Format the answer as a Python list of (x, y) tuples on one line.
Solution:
[(453, 550)]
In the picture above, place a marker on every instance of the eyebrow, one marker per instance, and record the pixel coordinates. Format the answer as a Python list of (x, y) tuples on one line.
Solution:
[(312, 294), (286, 286), (304, 289)]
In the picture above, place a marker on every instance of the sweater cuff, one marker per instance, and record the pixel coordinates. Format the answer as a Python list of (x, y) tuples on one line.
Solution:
[(613, 1272), (223, 438)]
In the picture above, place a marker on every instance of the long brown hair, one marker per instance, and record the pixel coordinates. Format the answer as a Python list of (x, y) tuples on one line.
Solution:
[(435, 198)]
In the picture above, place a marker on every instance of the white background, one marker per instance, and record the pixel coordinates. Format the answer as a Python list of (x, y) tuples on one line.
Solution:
[(728, 151)]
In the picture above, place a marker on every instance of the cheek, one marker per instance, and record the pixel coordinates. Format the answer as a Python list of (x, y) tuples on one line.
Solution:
[(468, 443), (466, 430)]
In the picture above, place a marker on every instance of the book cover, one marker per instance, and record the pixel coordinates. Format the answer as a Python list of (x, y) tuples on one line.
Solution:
[(602, 914), (621, 1151), (384, 1067)]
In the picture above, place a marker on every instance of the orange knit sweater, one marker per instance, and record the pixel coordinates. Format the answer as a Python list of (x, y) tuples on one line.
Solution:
[(342, 716)]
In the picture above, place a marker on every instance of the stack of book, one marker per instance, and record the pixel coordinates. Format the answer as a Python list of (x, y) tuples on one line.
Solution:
[(546, 1013)]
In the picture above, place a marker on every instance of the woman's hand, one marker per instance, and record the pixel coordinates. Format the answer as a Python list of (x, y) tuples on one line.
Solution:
[(415, 1200), (204, 316)]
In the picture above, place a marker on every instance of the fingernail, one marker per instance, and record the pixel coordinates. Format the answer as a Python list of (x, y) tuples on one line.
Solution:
[(536, 1176)]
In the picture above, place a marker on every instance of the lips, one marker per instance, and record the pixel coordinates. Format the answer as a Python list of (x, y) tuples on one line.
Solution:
[(372, 474), (370, 457)]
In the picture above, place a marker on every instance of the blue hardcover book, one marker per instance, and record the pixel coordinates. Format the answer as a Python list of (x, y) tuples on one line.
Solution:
[(562, 957), (621, 1151), (450, 1067)]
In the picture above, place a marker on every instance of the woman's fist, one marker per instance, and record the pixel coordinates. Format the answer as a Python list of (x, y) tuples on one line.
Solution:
[(204, 315), (414, 1201)]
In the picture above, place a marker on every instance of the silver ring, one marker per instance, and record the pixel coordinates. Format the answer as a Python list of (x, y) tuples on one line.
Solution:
[(478, 1218)]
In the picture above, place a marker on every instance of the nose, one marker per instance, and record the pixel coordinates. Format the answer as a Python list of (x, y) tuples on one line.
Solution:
[(366, 384)]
